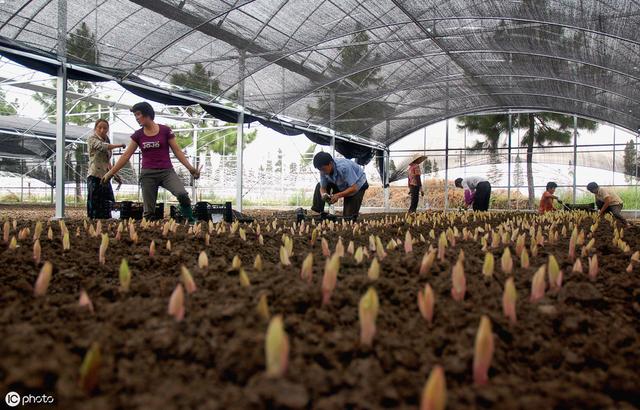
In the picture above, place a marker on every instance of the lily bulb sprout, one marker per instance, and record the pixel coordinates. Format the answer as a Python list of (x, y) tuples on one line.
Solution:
[(125, 276), (427, 261), (176, 303), (593, 266), (434, 394), (276, 348), (85, 301), (426, 302), (257, 263), (43, 280), (506, 261), (374, 270), (187, 280), (368, 313), (306, 272), (555, 275), (263, 307), (538, 284), (509, 298), (442, 246), (90, 369), (483, 352), (331, 269), (459, 282), (488, 265), (203, 260)]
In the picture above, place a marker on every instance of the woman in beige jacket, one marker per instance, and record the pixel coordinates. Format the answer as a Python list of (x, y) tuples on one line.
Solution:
[(99, 196)]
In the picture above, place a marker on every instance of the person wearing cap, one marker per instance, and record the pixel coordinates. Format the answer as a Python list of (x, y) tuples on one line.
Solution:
[(415, 183), (607, 200), (339, 178), (477, 192)]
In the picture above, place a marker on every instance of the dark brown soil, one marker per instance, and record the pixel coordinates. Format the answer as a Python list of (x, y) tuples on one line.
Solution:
[(583, 353)]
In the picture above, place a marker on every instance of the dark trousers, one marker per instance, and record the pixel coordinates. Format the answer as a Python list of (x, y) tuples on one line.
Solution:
[(414, 191), (482, 196), (99, 198), (351, 203), (615, 210)]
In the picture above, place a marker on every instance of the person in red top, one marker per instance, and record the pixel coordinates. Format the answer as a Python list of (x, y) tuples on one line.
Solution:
[(546, 202), (155, 141), (415, 183)]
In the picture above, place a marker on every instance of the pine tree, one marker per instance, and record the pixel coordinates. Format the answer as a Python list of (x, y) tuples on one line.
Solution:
[(630, 161), (426, 166), (354, 54), (6, 107), (518, 173), (278, 164), (494, 174)]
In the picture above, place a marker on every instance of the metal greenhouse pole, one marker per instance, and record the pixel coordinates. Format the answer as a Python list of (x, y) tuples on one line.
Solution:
[(637, 166), (385, 174), (61, 94), (446, 165), (240, 137), (332, 124), (446, 149), (194, 189), (575, 155), (509, 167)]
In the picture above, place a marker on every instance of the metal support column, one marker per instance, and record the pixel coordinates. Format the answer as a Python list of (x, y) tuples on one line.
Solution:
[(424, 177), (509, 166), (61, 94), (446, 150), (194, 162), (240, 136), (446, 165), (387, 162), (332, 116), (637, 165), (385, 179), (575, 155)]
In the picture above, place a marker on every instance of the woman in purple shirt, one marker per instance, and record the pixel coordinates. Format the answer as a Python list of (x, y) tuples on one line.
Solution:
[(154, 141)]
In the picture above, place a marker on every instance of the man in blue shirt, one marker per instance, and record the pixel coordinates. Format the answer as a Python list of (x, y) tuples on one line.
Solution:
[(339, 178)]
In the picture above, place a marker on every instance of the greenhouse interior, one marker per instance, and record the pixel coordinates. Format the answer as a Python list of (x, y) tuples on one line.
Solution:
[(159, 159)]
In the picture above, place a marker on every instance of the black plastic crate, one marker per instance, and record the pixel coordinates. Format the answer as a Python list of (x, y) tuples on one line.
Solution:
[(135, 210), (204, 211), (580, 207)]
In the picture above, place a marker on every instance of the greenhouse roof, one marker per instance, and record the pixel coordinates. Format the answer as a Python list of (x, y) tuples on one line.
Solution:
[(378, 69)]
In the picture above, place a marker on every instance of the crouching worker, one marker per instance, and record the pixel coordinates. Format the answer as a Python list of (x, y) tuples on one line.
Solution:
[(339, 178), (154, 141), (477, 192), (546, 202), (607, 201)]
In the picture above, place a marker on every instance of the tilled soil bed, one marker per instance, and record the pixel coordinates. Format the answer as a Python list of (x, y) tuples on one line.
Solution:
[(578, 347)]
